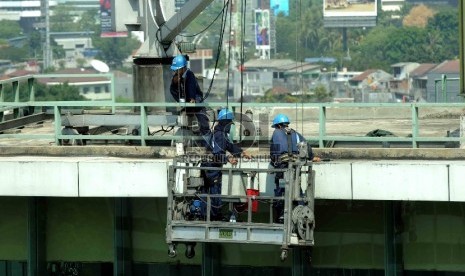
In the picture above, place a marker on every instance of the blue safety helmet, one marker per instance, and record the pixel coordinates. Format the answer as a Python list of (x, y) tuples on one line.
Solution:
[(280, 119), (225, 114), (179, 62)]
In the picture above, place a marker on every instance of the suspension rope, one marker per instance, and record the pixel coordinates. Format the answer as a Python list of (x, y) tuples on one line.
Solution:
[(219, 48), (209, 25), (301, 74), (229, 56), (243, 15)]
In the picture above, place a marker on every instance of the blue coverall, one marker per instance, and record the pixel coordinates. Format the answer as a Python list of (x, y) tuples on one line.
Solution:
[(279, 146), (189, 89), (220, 145)]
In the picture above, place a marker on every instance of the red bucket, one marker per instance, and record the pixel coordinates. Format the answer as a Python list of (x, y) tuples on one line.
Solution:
[(252, 193)]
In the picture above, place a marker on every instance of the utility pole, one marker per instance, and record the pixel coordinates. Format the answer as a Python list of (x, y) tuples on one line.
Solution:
[(47, 59)]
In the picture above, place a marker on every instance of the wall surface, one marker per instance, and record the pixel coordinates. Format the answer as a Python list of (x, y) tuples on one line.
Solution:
[(415, 180)]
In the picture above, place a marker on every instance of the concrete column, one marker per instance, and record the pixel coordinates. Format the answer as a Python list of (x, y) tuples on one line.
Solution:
[(151, 84), (122, 265), (211, 259), (36, 262), (393, 258), (301, 258)]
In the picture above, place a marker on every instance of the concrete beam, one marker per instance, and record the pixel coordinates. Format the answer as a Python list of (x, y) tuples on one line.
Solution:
[(115, 171), (169, 152)]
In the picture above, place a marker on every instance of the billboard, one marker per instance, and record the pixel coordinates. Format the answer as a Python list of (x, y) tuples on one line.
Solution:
[(350, 13), (349, 8), (262, 29), (106, 26), (280, 6)]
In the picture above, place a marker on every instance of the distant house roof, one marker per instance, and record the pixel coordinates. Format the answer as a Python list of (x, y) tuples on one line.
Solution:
[(74, 80), (17, 73), (448, 66), (288, 66), (20, 73), (363, 75), (422, 70), (401, 64), (321, 59), (269, 63), (299, 68)]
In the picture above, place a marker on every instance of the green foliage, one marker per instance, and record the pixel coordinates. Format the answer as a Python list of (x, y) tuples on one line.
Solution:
[(120, 99), (88, 21), (445, 25), (322, 95), (392, 44), (62, 92), (298, 36), (302, 34), (57, 50), (114, 50), (207, 38), (318, 95), (10, 29), (62, 19), (14, 54), (35, 44)]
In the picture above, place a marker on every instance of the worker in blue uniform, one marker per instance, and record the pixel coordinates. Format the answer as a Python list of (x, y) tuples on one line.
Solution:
[(185, 88), (221, 146), (283, 145)]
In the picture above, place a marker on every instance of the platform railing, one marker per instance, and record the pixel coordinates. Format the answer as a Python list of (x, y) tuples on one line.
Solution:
[(320, 123)]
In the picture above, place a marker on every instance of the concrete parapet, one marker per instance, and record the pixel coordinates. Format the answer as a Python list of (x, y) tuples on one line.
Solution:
[(169, 152)]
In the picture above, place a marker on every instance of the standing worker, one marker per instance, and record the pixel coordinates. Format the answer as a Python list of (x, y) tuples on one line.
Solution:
[(221, 144), (283, 145), (185, 88)]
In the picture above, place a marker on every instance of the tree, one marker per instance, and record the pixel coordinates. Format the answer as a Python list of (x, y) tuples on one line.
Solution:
[(10, 29), (418, 16), (14, 54), (446, 23), (88, 21), (62, 19), (43, 92), (115, 50), (62, 92), (35, 44)]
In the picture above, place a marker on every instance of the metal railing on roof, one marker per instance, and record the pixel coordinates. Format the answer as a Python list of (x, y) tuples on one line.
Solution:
[(324, 124)]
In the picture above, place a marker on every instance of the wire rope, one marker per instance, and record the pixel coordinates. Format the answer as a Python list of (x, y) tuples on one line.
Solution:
[(229, 56), (220, 43), (303, 94), (209, 25), (243, 20)]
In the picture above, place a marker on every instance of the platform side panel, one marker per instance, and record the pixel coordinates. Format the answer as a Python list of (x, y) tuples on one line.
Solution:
[(264, 182), (123, 178), (456, 183), (400, 181), (39, 178), (333, 180)]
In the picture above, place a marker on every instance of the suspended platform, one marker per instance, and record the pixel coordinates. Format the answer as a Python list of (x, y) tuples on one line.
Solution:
[(248, 205)]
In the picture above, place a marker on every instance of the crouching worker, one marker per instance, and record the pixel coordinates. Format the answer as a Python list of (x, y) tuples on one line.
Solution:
[(221, 145), (284, 143), (185, 88)]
